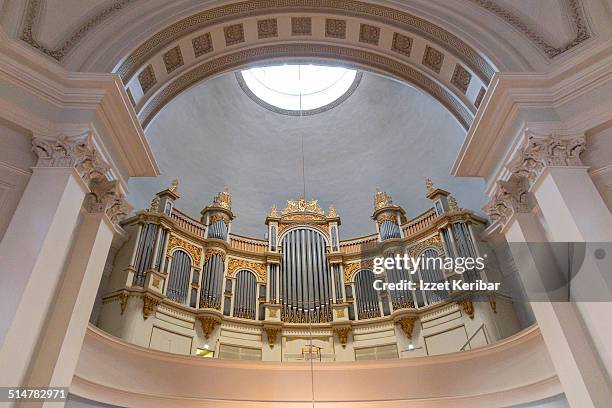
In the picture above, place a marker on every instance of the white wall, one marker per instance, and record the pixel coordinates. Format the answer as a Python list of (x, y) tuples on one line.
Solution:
[(16, 158)]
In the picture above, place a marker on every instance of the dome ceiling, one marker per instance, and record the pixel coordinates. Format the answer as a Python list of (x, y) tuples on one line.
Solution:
[(386, 135)]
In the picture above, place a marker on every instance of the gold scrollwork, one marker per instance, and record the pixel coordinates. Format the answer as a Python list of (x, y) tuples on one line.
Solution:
[(194, 250), (211, 252), (351, 269), (302, 205), (223, 200), (382, 200), (236, 264), (219, 217), (386, 217), (433, 241), (318, 227)]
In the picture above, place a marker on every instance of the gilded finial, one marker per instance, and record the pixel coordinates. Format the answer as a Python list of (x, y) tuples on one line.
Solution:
[(332, 212), (273, 211), (173, 186), (154, 204), (382, 200), (452, 202), (429, 185), (223, 199)]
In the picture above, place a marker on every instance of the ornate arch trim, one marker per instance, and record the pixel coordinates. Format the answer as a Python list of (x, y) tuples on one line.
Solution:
[(351, 56), (317, 228), (351, 269), (348, 8), (235, 265)]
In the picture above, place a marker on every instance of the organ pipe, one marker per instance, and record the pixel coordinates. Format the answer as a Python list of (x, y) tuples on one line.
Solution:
[(304, 275)]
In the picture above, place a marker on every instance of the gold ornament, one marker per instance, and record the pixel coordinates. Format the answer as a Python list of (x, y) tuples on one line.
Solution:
[(208, 324), (271, 332), (303, 206), (223, 200), (382, 200), (236, 264), (351, 269), (155, 204), (123, 299), (452, 202), (407, 325), (193, 250), (433, 241), (332, 212), (273, 211), (173, 186), (429, 185), (149, 305), (212, 252), (468, 307), (342, 333)]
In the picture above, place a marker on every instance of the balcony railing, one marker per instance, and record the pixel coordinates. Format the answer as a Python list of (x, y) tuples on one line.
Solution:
[(421, 223), (187, 223), (248, 244)]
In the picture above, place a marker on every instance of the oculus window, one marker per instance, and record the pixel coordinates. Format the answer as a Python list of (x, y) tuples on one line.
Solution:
[(298, 89)]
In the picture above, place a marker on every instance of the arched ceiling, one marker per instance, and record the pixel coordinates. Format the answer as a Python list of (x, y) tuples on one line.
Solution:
[(386, 135), (448, 49)]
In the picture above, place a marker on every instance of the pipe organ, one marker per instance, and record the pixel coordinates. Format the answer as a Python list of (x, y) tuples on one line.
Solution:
[(179, 277), (305, 279)]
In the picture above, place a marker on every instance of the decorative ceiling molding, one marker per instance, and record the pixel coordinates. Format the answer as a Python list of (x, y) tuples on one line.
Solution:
[(576, 16), (32, 14), (288, 112), (354, 57), (349, 8)]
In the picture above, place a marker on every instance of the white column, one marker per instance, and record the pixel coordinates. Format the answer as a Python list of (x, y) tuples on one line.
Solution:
[(32, 256), (576, 364), (58, 354), (36, 248), (575, 212)]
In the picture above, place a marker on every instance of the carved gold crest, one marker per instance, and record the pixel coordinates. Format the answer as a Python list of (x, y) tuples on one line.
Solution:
[(194, 250)]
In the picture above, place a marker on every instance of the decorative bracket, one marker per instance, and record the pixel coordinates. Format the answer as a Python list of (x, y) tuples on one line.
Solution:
[(208, 324), (149, 305), (271, 333), (468, 307), (342, 333), (407, 325)]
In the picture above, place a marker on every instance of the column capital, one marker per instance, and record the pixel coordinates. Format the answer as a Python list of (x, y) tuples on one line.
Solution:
[(106, 197), (510, 197), (71, 151), (540, 151)]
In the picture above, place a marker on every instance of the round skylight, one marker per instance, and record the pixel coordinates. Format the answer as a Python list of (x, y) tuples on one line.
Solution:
[(299, 88)]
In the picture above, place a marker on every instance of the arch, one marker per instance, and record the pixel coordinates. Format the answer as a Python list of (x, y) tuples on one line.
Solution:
[(370, 37), (296, 227), (179, 275), (185, 250), (359, 59), (432, 274), (366, 296), (245, 294)]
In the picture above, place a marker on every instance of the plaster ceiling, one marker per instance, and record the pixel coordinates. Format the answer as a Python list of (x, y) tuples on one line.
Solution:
[(385, 135)]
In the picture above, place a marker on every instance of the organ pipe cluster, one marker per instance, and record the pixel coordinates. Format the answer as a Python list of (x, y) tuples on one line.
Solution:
[(302, 269)]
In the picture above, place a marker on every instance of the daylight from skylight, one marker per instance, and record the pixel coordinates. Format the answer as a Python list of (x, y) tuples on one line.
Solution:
[(299, 87)]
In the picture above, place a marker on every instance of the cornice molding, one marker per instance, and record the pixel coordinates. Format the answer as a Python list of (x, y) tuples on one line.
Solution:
[(98, 101), (576, 16), (544, 103)]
